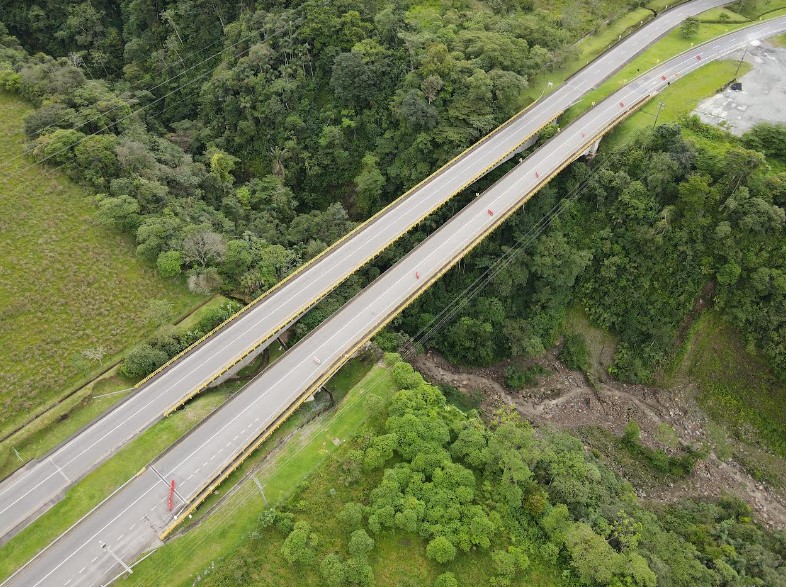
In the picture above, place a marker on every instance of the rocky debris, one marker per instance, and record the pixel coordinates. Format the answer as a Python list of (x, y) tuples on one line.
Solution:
[(566, 399)]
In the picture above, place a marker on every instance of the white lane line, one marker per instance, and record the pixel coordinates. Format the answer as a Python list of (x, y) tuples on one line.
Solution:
[(82, 570), (95, 558), (132, 527), (59, 470), (119, 538)]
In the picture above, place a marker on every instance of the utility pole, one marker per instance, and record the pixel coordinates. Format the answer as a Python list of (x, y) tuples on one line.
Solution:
[(106, 548), (660, 107), (744, 53), (261, 490)]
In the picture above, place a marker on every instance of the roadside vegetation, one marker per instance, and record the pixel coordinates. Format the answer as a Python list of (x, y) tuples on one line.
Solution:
[(313, 117), (100, 483), (45, 432)]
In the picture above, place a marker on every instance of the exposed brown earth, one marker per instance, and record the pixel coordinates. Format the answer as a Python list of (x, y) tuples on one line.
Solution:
[(565, 399)]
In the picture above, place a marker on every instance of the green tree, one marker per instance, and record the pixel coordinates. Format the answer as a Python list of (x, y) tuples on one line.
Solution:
[(689, 28), (169, 263), (142, 360), (446, 580), (300, 545), (360, 544), (368, 184), (441, 550)]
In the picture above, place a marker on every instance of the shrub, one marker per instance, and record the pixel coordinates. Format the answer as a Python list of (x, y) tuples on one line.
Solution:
[(360, 544), (446, 580), (142, 360), (517, 378), (574, 353), (169, 263)]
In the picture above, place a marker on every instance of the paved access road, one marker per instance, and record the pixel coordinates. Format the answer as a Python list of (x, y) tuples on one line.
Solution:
[(131, 520), (30, 491)]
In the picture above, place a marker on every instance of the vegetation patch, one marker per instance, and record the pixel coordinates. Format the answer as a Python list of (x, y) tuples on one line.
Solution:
[(227, 530), (72, 293), (428, 495), (736, 387), (89, 402)]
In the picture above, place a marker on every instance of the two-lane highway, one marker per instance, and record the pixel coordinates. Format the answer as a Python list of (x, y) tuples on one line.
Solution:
[(131, 520), (26, 494)]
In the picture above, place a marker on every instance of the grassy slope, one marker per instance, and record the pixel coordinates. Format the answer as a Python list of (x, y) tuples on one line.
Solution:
[(225, 531), (90, 491), (67, 284), (78, 410), (735, 386), (679, 99)]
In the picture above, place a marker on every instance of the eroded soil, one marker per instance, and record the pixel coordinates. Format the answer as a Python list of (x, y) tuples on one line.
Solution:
[(566, 399)]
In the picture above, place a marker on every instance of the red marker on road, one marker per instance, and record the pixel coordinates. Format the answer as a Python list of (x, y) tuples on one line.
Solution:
[(171, 494), (417, 275), (698, 57), (622, 104), (663, 77), (537, 174), (491, 212), (583, 135)]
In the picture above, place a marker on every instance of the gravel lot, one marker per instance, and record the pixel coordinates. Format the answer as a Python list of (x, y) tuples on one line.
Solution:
[(763, 95)]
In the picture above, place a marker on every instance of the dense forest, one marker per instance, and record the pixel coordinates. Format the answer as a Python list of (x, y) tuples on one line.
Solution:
[(644, 232), (236, 142)]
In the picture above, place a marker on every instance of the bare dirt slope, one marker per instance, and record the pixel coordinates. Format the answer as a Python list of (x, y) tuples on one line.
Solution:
[(566, 399)]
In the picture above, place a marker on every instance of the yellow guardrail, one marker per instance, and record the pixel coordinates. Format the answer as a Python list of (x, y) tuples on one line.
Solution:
[(295, 315), (339, 362)]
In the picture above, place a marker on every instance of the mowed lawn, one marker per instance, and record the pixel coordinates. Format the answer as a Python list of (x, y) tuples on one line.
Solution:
[(67, 284)]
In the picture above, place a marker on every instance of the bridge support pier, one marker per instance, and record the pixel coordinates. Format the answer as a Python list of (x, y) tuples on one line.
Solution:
[(524, 146), (593, 150)]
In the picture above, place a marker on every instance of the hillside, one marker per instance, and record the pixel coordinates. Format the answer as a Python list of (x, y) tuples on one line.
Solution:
[(68, 284)]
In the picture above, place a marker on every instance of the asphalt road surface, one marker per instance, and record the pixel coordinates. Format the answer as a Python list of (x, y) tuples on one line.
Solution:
[(131, 520), (33, 489)]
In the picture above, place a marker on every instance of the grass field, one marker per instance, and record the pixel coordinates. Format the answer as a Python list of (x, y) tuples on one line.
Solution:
[(678, 100), (67, 284)]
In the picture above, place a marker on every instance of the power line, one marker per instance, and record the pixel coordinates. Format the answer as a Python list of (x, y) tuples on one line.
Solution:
[(140, 109)]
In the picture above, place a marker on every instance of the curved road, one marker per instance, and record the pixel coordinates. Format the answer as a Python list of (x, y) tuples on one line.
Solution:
[(132, 520), (33, 489)]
